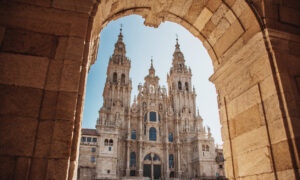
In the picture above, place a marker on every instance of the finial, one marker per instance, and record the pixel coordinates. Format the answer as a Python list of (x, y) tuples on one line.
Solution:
[(177, 38), (121, 28)]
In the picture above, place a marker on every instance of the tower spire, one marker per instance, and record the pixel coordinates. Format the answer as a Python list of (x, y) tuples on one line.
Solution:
[(151, 70)]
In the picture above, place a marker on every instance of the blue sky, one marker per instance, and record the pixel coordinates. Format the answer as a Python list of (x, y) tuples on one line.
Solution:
[(142, 43)]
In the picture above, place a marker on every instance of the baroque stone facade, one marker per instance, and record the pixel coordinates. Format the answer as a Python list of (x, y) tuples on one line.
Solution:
[(160, 136)]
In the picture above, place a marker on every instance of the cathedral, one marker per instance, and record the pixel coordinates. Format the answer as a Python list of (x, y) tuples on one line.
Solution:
[(158, 136)]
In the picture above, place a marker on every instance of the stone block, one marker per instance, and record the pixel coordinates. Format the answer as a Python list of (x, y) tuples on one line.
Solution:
[(246, 121), (60, 149), (63, 130), (228, 168), (44, 138), (228, 38), (276, 130), (7, 167), (29, 43), (195, 10), (226, 149), (224, 132), (252, 140), (253, 162), (180, 8), (57, 169), (239, 6), (213, 5), (23, 70), (62, 45), (218, 31), (17, 135), (282, 156), (230, 2), (49, 103), (219, 14), (289, 15), (22, 168), (75, 49), (286, 174), (54, 75), (20, 101), (244, 101), (76, 5), (202, 19), (38, 169), (66, 106), (44, 3), (208, 28)]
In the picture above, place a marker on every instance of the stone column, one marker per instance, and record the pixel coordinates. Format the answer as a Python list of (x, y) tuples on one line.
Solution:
[(128, 159), (140, 159)]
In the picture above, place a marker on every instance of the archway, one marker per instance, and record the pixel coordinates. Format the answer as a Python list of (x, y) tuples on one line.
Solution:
[(152, 166), (47, 48)]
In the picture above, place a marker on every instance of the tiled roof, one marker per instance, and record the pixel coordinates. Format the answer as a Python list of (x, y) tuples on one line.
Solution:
[(92, 132)]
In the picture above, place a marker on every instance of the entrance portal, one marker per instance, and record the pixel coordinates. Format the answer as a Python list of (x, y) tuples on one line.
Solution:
[(152, 166)]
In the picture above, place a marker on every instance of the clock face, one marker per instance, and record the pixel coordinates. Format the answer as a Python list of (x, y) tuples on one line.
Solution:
[(151, 88)]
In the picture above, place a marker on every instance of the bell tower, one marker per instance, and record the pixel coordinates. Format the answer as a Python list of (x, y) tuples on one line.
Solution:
[(181, 94), (114, 114)]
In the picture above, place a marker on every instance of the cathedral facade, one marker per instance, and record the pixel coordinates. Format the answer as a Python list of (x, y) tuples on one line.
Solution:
[(159, 136)]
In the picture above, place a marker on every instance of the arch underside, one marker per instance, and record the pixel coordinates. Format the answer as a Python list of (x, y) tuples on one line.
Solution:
[(256, 63)]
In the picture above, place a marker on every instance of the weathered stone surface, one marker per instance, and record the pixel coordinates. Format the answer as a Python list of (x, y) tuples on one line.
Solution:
[(57, 168), (281, 153), (66, 104), (70, 76), (23, 70), (38, 169), (22, 167), (7, 167), (202, 19), (20, 101), (18, 137), (228, 37), (29, 43), (260, 162)]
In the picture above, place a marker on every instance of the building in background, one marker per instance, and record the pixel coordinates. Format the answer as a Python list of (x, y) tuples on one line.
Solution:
[(160, 136)]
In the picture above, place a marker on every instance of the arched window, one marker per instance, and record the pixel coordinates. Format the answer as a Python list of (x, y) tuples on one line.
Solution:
[(171, 161), (145, 117), (170, 137), (152, 116), (186, 86), (106, 142), (179, 85), (148, 157), (152, 134), (203, 147), (145, 129), (123, 79), (207, 148), (156, 158), (133, 134), (111, 142), (132, 159), (115, 77)]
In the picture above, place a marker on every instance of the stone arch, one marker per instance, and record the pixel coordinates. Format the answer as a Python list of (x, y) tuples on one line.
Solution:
[(256, 74)]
